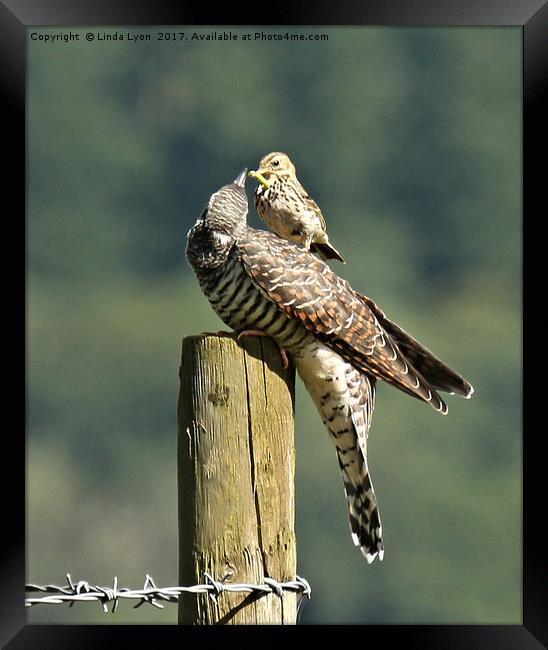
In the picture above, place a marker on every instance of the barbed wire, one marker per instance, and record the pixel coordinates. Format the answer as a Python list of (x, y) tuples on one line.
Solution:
[(82, 591)]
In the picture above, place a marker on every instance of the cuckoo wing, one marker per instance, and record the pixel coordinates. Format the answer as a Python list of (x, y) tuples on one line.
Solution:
[(306, 288), (437, 373)]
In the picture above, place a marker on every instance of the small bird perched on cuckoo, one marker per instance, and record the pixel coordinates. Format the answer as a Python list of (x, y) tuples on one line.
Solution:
[(287, 209), (340, 341)]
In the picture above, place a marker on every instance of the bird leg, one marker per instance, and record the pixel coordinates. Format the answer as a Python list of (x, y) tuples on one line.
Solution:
[(283, 353)]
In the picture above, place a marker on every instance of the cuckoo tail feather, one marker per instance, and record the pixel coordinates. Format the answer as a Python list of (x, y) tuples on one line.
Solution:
[(363, 513)]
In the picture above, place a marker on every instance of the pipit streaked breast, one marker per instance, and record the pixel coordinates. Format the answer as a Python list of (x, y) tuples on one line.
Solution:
[(287, 209)]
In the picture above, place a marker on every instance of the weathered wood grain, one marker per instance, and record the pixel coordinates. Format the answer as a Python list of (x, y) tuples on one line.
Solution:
[(236, 465)]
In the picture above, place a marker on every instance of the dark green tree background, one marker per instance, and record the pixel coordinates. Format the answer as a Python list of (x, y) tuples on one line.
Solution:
[(410, 141)]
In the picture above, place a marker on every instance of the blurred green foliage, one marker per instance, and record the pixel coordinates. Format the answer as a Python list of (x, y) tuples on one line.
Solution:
[(410, 141)]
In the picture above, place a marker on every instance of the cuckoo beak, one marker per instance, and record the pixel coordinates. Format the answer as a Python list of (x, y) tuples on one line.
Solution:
[(241, 178)]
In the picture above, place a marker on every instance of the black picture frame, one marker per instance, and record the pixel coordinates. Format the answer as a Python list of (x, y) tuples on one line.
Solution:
[(15, 17)]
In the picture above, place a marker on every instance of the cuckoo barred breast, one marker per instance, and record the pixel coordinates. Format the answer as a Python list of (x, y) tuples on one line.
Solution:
[(340, 341)]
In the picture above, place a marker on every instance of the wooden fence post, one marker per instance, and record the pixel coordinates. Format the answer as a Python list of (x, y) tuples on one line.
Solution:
[(236, 465)]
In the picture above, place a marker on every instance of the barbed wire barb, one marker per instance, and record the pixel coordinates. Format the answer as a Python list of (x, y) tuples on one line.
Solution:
[(82, 591)]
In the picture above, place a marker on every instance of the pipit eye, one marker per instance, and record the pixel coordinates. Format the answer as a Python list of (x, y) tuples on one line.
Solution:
[(275, 163)]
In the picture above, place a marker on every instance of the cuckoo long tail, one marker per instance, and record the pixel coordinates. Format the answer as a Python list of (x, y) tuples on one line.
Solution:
[(363, 513), (345, 399)]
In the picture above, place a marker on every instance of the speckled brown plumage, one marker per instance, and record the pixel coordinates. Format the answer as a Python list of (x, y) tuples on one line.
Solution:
[(437, 374), (287, 208), (308, 290)]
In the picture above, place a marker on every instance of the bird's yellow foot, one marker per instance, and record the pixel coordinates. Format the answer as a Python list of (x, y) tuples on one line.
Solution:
[(262, 180), (283, 353)]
